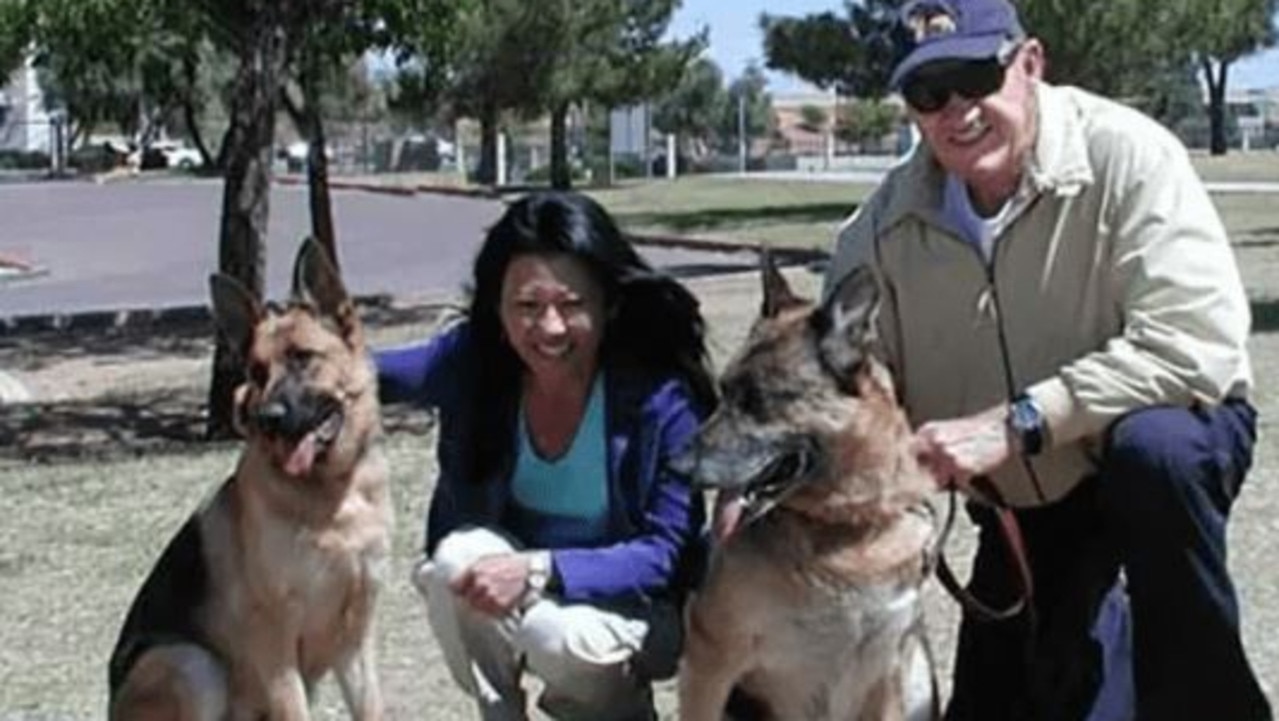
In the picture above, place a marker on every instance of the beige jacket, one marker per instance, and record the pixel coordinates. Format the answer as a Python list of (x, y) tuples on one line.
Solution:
[(1113, 286)]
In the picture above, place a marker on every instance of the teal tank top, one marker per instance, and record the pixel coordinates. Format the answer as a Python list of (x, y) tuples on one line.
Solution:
[(563, 503)]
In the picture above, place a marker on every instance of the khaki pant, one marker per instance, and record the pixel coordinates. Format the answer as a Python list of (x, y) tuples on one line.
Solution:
[(586, 655)]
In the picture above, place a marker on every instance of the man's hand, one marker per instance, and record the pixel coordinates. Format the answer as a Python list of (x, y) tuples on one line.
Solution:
[(956, 451), (494, 584)]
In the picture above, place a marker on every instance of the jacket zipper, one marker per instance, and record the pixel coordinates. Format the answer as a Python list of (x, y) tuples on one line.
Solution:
[(1010, 382)]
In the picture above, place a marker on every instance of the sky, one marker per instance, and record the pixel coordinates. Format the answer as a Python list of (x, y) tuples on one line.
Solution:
[(735, 39)]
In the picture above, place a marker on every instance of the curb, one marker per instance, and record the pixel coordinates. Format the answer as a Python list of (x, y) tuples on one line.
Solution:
[(482, 193), (182, 317), (99, 320), (783, 256)]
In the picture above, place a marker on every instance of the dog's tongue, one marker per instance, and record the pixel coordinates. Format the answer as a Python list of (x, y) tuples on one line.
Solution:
[(728, 518), (302, 457)]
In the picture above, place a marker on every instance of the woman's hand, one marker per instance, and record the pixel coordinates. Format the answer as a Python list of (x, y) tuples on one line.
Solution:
[(495, 584), (956, 451)]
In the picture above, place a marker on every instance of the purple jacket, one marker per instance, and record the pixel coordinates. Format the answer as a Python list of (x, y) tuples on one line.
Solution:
[(656, 545)]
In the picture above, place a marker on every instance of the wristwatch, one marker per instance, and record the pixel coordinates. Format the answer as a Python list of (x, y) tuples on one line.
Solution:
[(539, 571), (1026, 423)]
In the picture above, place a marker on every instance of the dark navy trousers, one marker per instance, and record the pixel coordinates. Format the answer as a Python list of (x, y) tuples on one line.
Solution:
[(1157, 508)]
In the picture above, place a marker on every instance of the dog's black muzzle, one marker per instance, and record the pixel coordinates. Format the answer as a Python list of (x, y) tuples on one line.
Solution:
[(793, 464), (293, 410)]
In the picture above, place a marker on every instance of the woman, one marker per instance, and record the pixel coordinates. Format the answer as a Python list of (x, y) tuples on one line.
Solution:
[(557, 541)]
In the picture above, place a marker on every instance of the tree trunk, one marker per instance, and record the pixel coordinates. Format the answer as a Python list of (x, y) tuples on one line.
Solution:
[(224, 149), (306, 117), (561, 174), (1216, 106), (246, 191), (191, 117), (317, 178), (486, 172)]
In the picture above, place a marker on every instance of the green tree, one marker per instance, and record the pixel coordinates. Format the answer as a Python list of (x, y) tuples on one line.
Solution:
[(851, 53), (695, 108), (1110, 48), (610, 52), (748, 96), (532, 59), (1153, 41), (133, 64), (865, 122), (497, 66), (16, 25), (327, 75), (812, 118), (91, 57), (1221, 33), (414, 98)]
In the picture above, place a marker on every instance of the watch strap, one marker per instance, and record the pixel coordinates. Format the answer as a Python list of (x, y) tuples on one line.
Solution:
[(1026, 422)]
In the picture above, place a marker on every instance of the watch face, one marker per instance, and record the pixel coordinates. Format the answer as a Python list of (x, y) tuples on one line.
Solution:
[(539, 571)]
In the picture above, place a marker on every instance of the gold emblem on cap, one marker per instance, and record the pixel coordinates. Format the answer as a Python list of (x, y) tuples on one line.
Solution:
[(930, 22)]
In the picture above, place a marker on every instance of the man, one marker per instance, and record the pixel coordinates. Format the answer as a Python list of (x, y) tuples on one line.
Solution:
[(1062, 310)]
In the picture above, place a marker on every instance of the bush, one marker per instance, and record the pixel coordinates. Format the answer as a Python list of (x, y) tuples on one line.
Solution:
[(625, 167), (24, 160), (542, 174)]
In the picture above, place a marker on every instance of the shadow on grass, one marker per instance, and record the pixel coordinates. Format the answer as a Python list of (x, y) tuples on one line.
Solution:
[(105, 429), (131, 424), (1259, 238), (715, 218), (173, 421), (187, 333)]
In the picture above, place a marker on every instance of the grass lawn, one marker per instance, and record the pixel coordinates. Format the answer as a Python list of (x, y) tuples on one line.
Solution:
[(80, 534), (792, 214), (805, 213), (1257, 165)]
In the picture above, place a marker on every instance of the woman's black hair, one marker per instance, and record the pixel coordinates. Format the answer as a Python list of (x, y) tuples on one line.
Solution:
[(654, 322)]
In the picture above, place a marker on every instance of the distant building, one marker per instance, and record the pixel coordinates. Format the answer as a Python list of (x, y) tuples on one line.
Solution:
[(797, 133), (24, 123), (1256, 110), (794, 132)]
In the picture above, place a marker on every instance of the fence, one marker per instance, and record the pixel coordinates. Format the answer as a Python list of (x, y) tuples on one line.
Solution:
[(27, 145)]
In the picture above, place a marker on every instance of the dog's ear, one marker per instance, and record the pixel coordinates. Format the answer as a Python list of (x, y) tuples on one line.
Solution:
[(845, 324), (235, 310), (777, 293), (316, 282), (315, 278)]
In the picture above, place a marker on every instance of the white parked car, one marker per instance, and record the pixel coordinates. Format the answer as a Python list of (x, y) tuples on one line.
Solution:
[(178, 155)]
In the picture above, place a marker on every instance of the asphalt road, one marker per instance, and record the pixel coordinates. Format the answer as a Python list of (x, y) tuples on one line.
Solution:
[(153, 244)]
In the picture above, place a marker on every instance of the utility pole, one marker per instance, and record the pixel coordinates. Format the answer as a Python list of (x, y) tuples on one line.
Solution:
[(741, 132)]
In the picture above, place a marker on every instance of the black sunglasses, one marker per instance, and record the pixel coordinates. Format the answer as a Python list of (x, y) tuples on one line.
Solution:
[(928, 89)]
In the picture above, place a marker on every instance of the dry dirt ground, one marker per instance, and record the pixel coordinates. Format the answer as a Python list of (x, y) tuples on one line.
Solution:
[(97, 476)]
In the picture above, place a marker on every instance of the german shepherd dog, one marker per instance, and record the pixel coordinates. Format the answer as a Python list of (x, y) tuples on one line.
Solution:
[(272, 582), (811, 607)]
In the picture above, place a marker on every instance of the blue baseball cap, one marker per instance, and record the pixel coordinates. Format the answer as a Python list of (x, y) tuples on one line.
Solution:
[(931, 30)]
